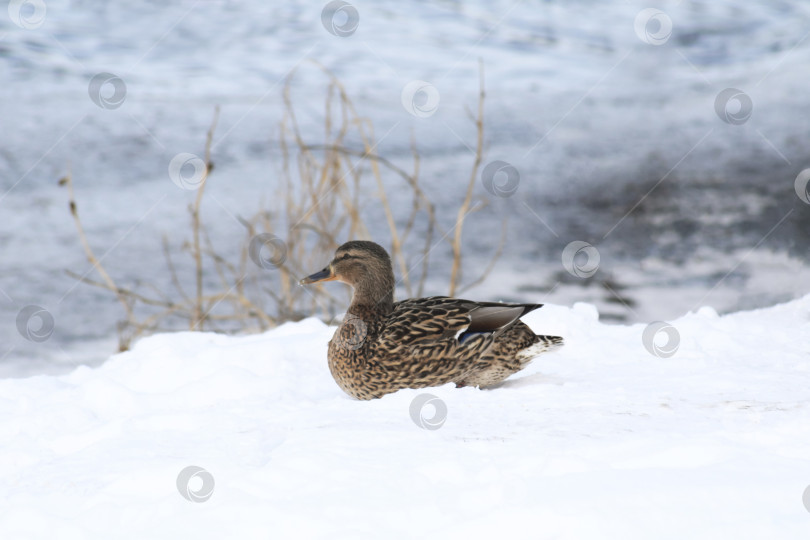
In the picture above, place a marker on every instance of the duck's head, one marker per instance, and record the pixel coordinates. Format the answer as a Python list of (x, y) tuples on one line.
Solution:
[(364, 265)]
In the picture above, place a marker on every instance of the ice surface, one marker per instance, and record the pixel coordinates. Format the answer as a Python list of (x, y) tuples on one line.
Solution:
[(616, 140), (601, 439)]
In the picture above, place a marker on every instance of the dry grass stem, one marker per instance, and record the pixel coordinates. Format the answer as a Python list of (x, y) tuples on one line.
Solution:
[(325, 187)]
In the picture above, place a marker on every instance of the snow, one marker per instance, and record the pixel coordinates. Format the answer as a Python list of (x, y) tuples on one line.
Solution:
[(601, 439)]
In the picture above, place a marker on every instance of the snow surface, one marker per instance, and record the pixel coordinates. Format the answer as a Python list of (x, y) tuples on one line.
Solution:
[(601, 439)]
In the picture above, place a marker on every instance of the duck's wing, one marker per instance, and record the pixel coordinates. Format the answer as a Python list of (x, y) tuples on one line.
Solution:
[(496, 317), (443, 326)]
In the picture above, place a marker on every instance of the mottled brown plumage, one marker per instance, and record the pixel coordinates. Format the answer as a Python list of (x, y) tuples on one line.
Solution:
[(383, 346)]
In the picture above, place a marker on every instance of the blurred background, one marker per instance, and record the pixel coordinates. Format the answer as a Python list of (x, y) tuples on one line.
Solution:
[(665, 137)]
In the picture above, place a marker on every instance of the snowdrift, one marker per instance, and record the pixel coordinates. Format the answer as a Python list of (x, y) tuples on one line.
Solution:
[(197, 435)]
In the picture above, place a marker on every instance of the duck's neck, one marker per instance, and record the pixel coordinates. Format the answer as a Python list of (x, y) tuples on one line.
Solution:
[(372, 299)]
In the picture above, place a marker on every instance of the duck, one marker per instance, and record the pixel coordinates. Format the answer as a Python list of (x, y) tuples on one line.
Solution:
[(383, 346)]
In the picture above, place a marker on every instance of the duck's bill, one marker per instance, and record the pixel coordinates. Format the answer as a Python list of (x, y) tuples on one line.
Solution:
[(324, 275)]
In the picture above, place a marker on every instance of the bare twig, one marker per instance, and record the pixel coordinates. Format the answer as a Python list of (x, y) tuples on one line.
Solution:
[(490, 265), (119, 291), (325, 190), (67, 180), (197, 318), (465, 206)]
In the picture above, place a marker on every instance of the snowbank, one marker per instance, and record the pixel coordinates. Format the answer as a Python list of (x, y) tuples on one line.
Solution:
[(599, 440)]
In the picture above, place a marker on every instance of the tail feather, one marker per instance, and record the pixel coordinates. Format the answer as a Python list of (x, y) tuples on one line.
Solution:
[(541, 345)]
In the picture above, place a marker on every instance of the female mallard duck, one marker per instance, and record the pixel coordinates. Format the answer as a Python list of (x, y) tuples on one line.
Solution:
[(383, 346)]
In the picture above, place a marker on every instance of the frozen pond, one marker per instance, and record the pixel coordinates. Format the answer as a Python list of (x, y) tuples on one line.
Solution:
[(616, 119)]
